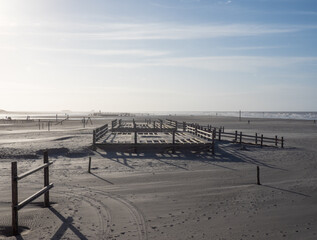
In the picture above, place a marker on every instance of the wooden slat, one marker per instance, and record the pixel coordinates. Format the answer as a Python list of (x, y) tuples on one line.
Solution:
[(33, 171), (34, 196)]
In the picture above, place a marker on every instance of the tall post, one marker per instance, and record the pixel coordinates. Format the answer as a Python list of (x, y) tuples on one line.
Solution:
[(213, 141), (94, 137), (14, 185), (46, 181), (173, 141), (219, 134), (261, 140), (282, 142), (276, 141), (256, 138), (89, 165), (135, 137), (236, 136), (258, 175), (240, 137)]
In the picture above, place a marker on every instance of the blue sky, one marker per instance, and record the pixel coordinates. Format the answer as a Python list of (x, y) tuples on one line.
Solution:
[(154, 55)]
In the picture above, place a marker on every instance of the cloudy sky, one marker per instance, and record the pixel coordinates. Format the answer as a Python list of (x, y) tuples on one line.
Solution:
[(158, 55)]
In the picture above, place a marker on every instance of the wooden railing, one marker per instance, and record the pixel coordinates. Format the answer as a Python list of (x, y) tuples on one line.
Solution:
[(16, 206), (98, 133), (172, 123), (238, 137)]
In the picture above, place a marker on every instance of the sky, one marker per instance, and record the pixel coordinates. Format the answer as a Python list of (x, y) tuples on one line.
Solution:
[(158, 55)]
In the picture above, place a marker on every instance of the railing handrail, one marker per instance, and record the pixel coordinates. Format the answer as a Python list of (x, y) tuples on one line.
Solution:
[(21, 176)]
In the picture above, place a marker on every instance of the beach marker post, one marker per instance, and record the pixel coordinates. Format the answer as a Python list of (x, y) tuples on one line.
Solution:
[(213, 141), (89, 164), (219, 134), (173, 141), (240, 137), (258, 175)]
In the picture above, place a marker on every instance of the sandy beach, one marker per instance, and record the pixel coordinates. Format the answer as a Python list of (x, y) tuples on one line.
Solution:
[(160, 195)]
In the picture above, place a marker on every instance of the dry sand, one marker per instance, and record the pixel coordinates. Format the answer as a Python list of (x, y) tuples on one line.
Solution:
[(148, 195)]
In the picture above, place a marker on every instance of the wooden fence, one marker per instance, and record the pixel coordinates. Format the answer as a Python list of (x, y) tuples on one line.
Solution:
[(99, 133), (16, 206), (238, 137), (172, 123)]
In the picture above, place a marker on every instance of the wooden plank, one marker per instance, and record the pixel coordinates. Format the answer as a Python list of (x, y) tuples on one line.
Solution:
[(33, 171), (34, 196), (14, 185)]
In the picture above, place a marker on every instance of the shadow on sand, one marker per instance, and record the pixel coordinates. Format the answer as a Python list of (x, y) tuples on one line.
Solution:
[(225, 153), (67, 223)]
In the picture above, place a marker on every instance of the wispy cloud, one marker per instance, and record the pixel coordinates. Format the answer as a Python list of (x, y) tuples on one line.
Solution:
[(152, 31), (218, 63), (101, 52)]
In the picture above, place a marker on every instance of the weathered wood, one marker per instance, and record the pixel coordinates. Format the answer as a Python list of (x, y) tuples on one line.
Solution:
[(33, 171), (261, 140), (258, 175), (282, 142), (89, 165), (213, 141), (94, 137), (46, 180), (276, 141), (240, 137), (34, 196), (236, 136), (219, 136), (256, 138), (14, 186), (135, 137)]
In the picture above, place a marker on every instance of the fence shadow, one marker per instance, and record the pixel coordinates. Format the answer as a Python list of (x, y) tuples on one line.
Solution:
[(67, 223), (225, 152)]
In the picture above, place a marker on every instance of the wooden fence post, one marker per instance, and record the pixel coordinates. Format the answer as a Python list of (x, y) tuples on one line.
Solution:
[(240, 137), (135, 137), (261, 140), (282, 142), (14, 185), (184, 126), (213, 141), (219, 134), (256, 139), (276, 141), (236, 136), (89, 165), (94, 137), (173, 142), (48, 125), (46, 181), (258, 175)]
